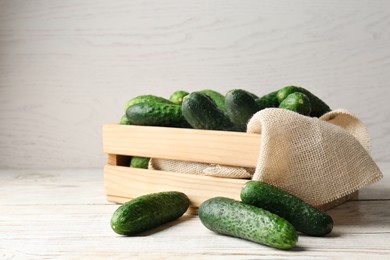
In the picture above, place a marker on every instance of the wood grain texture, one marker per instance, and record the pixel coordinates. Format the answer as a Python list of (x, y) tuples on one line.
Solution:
[(48, 214), (68, 68), (123, 183), (217, 147)]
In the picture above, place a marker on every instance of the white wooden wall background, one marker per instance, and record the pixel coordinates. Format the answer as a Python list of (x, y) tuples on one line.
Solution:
[(68, 67)]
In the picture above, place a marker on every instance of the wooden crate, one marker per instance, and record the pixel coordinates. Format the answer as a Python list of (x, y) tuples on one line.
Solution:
[(123, 183)]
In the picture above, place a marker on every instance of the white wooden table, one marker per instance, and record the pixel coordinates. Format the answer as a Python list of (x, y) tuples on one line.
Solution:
[(48, 214)]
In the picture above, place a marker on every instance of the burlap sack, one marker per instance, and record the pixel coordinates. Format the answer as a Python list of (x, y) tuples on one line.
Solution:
[(317, 159)]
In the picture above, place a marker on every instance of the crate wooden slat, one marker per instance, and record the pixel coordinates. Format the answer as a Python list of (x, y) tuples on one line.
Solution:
[(122, 183), (219, 147)]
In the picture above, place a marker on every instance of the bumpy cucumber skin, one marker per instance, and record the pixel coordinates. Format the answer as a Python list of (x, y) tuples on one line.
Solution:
[(304, 217), (146, 99), (297, 102), (318, 107), (217, 97), (201, 112), (156, 114), (149, 211), (230, 217), (177, 96), (268, 100), (240, 107)]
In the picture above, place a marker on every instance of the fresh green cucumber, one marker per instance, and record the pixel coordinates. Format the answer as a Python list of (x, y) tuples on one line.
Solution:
[(304, 217), (230, 217), (268, 100), (217, 97), (146, 99), (177, 96), (156, 114), (297, 102), (139, 162), (149, 211), (318, 107), (201, 112), (124, 120), (240, 107)]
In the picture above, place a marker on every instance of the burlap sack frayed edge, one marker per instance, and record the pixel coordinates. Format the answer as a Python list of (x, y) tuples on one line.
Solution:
[(344, 122), (350, 123)]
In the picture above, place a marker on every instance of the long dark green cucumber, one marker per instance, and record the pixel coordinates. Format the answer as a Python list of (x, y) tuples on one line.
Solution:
[(268, 100), (318, 107), (146, 99), (230, 217), (240, 107), (217, 97), (156, 114), (304, 217), (149, 211), (201, 112)]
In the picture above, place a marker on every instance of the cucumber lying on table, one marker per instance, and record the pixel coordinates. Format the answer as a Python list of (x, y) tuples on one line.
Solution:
[(304, 217), (149, 211), (230, 217)]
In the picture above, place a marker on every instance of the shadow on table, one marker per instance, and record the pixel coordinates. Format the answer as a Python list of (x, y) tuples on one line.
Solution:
[(167, 225)]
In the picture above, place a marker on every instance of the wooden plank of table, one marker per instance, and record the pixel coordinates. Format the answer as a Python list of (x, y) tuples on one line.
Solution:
[(74, 230), (63, 213)]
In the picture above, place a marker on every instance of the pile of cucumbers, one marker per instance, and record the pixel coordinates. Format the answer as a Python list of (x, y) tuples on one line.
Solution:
[(266, 215), (209, 109)]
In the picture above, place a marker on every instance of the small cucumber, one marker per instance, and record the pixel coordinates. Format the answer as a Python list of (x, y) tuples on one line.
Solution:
[(318, 107), (156, 114), (177, 96), (230, 217), (297, 102), (240, 107), (268, 100), (124, 120), (201, 112), (304, 217), (149, 211), (217, 97), (146, 99), (139, 162)]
